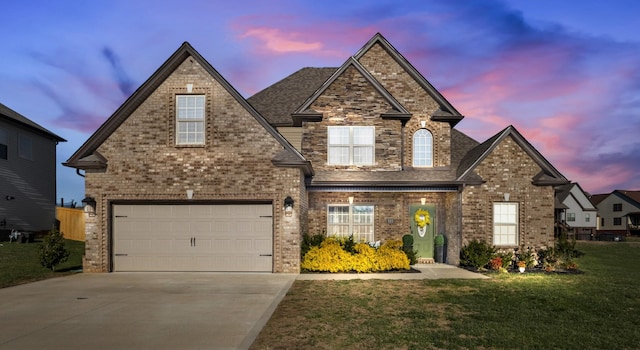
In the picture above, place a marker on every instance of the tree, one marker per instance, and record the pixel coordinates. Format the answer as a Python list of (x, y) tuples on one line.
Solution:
[(52, 251)]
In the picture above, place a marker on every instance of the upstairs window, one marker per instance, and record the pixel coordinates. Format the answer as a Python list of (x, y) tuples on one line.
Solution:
[(190, 112), (571, 216), (505, 224), (617, 207), (587, 217), (422, 148), (3, 144), (351, 145), (25, 147)]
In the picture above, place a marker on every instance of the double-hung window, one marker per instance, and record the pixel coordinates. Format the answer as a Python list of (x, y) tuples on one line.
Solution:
[(617, 207), (422, 148), (3, 145), (505, 224), (571, 217), (25, 147), (347, 220), (190, 117), (351, 145)]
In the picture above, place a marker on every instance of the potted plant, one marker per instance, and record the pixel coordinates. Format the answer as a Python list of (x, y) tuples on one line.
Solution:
[(438, 241), (522, 265)]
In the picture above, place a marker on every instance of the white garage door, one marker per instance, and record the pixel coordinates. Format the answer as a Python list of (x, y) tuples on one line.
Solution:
[(192, 237)]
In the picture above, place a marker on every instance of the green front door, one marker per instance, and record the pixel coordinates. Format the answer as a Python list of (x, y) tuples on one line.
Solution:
[(423, 223)]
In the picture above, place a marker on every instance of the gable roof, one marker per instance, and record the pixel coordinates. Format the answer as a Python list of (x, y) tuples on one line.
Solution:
[(632, 197), (17, 118), (446, 112), (278, 101), (547, 176), (565, 191), (86, 156), (304, 113)]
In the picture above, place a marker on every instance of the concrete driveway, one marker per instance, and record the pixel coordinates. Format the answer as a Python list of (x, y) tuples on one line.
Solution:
[(140, 311)]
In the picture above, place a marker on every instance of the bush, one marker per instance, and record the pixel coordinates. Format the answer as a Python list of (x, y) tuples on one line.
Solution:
[(507, 259), (309, 241), (407, 247), (52, 251), (476, 254), (438, 240), (331, 256), (495, 263)]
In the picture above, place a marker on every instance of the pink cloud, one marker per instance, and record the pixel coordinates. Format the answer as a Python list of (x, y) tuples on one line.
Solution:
[(277, 41)]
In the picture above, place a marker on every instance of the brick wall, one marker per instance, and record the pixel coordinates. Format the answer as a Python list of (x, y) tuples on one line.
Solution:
[(233, 165), (508, 169)]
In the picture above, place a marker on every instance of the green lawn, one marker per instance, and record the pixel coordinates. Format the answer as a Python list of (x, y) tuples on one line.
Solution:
[(19, 263), (598, 309)]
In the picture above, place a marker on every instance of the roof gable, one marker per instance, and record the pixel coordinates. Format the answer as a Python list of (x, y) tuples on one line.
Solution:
[(446, 112), (85, 156), (17, 118), (547, 176), (633, 197), (572, 192), (305, 113), (278, 101)]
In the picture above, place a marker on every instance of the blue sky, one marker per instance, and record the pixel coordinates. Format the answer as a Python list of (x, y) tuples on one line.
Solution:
[(566, 73)]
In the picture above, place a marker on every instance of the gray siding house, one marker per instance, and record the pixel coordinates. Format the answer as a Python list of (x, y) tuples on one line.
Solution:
[(579, 215), (618, 212), (27, 174)]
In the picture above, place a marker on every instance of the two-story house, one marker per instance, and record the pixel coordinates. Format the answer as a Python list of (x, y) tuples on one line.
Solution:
[(618, 212), (579, 216), (27, 174), (188, 175)]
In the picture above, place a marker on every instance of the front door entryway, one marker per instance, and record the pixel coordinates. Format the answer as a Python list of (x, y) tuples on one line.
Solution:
[(423, 222)]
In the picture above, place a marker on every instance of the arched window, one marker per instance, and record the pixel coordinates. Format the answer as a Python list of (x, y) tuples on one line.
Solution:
[(422, 148)]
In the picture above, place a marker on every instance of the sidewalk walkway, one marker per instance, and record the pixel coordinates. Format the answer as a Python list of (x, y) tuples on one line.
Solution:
[(427, 271)]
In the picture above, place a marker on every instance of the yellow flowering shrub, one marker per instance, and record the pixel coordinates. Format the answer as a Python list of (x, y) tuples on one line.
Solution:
[(331, 257)]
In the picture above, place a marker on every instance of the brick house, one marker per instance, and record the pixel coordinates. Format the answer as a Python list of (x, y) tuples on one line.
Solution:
[(187, 175)]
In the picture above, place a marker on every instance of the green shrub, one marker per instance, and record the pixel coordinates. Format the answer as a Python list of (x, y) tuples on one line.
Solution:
[(438, 240), (507, 259), (476, 254), (407, 248), (309, 241), (52, 251)]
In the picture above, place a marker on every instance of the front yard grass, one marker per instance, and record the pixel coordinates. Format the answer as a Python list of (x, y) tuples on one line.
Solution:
[(598, 309), (19, 263)]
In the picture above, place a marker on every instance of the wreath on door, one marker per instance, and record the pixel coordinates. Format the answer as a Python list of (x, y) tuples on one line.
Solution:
[(422, 219)]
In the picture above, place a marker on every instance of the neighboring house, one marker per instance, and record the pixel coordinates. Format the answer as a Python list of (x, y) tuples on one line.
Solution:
[(618, 212), (579, 216), (27, 174), (188, 175)]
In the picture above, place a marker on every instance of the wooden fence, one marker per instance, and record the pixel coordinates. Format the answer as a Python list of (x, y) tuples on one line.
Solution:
[(71, 223)]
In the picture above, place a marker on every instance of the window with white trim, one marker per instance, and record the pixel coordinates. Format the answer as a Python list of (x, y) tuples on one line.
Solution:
[(347, 220), (505, 224), (3, 145), (587, 217), (571, 217), (422, 148), (351, 145), (190, 112), (25, 147)]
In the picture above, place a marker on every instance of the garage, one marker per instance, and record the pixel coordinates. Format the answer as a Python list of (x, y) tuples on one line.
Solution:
[(192, 237)]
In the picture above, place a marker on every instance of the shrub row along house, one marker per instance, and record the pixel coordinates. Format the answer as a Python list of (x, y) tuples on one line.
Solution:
[(187, 175)]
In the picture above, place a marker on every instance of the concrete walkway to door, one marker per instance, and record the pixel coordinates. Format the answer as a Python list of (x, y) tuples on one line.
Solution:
[(140, 311)]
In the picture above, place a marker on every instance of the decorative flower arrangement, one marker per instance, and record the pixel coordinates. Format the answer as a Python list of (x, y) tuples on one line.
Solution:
[(522, 263), (422, 218)]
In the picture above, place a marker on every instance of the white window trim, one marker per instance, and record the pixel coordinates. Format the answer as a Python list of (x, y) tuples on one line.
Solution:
[(351, 145), (199, 120), (351, 224), (430, 146), (515, 225)]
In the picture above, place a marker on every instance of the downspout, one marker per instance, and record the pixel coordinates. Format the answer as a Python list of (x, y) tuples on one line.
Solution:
[(78, 172)]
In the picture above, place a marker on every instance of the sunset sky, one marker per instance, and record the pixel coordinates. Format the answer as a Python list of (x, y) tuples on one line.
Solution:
[(566, 73)]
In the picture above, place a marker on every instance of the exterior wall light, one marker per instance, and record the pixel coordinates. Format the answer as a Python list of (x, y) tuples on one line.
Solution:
[(9, 198), (89, 204), (288, 206)]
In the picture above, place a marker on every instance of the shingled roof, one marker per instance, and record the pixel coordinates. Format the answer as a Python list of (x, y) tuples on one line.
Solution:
[(278, 101), (18, 118)]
